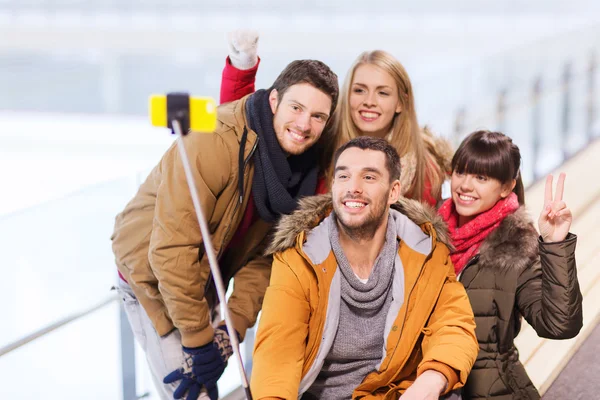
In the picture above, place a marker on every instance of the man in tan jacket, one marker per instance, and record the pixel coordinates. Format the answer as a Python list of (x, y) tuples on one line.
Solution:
[(363, 301), (259, 161)]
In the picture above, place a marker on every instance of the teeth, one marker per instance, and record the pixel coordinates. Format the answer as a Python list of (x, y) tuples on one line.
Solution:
[(369, 114), (466, 198), (354, 204), (296, 135)]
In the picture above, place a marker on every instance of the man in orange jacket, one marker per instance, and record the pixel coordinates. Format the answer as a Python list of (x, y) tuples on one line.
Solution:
[(363, 300)]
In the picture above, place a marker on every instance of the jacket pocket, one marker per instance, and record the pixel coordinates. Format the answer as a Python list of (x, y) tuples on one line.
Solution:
[(519, 381), (393, 393), (497, 379)]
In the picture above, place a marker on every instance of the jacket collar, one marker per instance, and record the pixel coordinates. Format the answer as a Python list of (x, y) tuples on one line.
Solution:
[(233, 115), (514, 244), (416, 223)]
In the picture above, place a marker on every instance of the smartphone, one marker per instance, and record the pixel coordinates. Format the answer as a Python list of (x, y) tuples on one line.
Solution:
[(202, 112)]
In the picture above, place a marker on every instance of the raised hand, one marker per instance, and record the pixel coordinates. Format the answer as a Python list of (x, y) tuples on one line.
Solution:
[(556, 218), (243, 45)]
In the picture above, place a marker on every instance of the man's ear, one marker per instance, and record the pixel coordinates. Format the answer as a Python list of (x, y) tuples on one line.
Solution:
[(394, 192), (273, 100)]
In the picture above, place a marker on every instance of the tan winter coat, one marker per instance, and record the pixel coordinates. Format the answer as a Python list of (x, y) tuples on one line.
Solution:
[(157, 242)]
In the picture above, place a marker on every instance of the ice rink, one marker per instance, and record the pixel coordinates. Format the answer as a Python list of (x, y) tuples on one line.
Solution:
[(66, 175)]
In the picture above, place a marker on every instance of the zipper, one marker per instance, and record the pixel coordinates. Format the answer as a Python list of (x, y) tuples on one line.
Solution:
[(410, 295), (319, 340), (210, 280), (237, 204), (411, 291), (471, 262), (246, 163)]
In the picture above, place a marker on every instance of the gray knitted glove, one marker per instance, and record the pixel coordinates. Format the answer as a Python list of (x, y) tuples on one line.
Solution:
[(243, 45)]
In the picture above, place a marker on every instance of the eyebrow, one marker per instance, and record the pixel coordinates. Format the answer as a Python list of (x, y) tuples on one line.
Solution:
[(378, 87), (366, 169), (326, 115), (372, 169)]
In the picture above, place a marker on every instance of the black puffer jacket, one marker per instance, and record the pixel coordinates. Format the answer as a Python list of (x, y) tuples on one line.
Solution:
[(515, 274)]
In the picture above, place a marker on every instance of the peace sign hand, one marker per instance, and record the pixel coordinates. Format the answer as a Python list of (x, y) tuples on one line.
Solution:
[(555, 219)]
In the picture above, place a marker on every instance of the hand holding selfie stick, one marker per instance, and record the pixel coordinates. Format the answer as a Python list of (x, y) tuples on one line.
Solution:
[(182, 113)]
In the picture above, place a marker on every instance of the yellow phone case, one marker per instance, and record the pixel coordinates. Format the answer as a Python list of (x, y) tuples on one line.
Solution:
[(203, 112)]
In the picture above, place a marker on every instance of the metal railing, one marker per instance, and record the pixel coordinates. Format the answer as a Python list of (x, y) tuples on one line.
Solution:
[(52, 327), (534, 106), (551, 110)]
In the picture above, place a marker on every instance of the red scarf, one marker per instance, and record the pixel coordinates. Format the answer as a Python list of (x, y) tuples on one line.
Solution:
[(468, 238)]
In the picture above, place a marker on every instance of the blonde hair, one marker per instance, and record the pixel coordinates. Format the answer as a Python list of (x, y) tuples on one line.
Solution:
[(405, 135)]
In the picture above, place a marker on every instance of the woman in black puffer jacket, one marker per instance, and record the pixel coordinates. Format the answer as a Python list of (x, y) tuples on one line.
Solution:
[(508, 270)]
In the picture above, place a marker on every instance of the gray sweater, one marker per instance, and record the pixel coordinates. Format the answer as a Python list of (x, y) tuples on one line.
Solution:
[(358, 345)]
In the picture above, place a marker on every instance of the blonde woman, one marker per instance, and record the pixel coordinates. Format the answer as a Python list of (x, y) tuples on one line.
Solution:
[(376, 99)]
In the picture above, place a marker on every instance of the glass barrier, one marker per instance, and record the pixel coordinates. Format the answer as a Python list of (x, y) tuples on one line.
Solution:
[(78, 361), (58, 261), (57, 257), (544, 95)]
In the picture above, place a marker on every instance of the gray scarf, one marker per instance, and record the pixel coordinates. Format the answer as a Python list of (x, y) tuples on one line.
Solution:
[(369, 296), (358, 344)]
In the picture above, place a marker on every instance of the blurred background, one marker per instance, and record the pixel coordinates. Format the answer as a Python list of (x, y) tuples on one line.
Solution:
[(75, 142)]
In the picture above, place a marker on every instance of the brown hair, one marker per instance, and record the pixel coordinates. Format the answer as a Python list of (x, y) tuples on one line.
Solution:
[(392, 159), (492, 154), (313, 72), (405, 135)]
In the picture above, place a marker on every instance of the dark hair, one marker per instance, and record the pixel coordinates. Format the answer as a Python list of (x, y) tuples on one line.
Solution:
[(313, 72), (392, 159), (492, 154)]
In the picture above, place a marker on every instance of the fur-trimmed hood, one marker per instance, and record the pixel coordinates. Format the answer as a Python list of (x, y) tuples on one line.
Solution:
[(440, 149), (514, 244), (312, 210)]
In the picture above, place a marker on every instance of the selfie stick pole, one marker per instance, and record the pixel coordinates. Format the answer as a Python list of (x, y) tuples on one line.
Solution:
[(179, 114)]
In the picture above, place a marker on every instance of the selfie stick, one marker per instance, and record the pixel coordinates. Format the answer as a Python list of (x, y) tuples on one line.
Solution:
[(182, 113)]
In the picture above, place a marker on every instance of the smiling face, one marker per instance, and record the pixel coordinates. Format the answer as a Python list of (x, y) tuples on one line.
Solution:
[(362, 191), (374, 100), (473, 194), (299, 117)]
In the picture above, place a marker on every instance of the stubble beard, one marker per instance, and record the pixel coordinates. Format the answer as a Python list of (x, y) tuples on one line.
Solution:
[(364, 231)]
